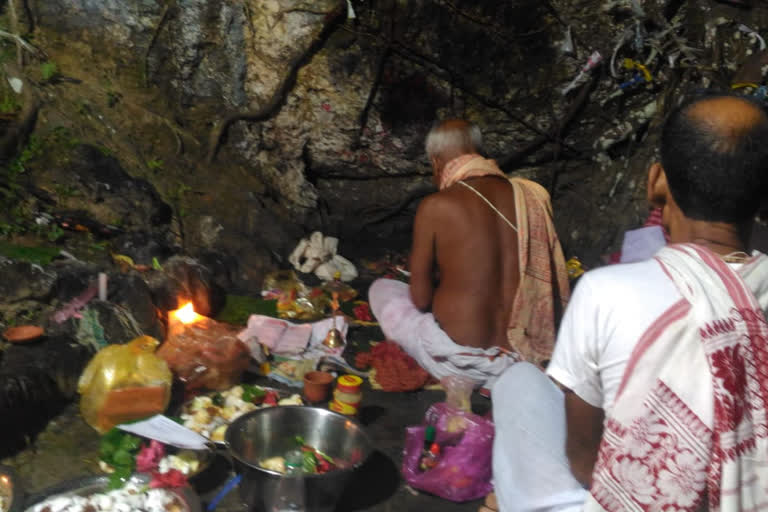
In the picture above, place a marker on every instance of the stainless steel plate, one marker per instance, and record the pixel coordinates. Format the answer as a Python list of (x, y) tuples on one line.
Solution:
[(88, 485)]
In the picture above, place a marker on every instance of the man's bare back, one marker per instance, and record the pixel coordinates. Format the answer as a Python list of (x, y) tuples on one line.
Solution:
[(475, 252)]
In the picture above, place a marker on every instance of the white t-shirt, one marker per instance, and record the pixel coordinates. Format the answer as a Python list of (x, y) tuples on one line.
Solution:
[(610, 309)]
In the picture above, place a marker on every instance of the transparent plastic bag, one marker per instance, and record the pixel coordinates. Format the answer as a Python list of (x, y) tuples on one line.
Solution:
[(458, 391), (463, 471), (206, 354), (123, 383)]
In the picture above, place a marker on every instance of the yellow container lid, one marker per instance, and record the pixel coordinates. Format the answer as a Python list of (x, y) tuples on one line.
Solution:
[(349, 382)]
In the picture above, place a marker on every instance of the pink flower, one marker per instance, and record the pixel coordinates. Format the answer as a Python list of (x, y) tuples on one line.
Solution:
[(149, 457)]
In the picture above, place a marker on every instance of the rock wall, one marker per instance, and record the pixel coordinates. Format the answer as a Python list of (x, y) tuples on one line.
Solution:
[(283, 116)]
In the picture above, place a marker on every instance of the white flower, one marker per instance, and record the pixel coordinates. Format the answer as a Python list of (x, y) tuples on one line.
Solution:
[(684, 479), (636, 478), (644, 432)]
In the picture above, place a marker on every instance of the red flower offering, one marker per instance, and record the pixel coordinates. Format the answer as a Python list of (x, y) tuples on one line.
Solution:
[(173, 478)]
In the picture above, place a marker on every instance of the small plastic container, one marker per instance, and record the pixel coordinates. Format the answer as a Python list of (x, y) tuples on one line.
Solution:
[(348, 395)]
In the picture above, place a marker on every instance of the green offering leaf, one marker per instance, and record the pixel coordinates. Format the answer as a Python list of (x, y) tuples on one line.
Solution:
[(119, 477), (251, 393), (130, 443), (118, 449), (122, 458), (218, 399), (309, 462)]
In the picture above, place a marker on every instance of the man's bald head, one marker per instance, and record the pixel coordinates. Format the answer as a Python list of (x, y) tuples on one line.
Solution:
[(714, 151), (453, 137)]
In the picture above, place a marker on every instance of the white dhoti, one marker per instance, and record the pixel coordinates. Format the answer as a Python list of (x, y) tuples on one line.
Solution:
[(530, 467), (422, 338)]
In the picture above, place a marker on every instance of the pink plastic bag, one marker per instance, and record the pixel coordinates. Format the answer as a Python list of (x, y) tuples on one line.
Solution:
[(463, 472)]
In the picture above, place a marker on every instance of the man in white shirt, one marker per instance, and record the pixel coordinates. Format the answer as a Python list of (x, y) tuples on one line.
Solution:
[(712, 175)]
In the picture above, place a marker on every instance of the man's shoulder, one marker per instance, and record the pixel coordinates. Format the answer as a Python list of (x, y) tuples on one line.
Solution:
[(440, 199), (624, 274)]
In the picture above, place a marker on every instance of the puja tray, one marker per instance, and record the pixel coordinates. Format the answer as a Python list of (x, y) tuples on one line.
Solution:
[(184, 407), (88, 485)]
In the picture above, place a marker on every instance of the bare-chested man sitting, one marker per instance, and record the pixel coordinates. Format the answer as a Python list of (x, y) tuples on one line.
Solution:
[(488, 279)]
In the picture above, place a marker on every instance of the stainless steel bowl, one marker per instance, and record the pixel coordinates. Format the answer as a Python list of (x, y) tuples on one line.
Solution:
[(9, 490), (271, 432), (88, 485)]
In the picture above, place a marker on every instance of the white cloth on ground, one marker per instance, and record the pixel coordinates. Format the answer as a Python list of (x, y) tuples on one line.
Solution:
[(530, 468), (318, 254), (287, 338), (422, 338)]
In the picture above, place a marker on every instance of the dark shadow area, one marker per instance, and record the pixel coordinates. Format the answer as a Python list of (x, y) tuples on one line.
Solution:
[(370, 413), (214, 476), (376, 481)]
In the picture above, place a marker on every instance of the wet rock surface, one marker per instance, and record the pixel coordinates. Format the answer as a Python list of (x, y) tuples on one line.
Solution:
[(261, 121)]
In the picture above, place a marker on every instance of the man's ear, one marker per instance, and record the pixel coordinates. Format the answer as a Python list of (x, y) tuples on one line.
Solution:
[(436, 168), (657, 186)]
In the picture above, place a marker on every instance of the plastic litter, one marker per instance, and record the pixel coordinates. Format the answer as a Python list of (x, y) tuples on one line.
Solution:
[(123, 383), (593, 61)]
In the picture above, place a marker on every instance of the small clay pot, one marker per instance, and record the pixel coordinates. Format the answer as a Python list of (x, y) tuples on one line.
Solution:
[(317, 386), (23, 333)]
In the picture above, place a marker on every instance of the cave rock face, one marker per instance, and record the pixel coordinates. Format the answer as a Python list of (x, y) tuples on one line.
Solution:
[(96, 185), (340, 100), (328, 113)]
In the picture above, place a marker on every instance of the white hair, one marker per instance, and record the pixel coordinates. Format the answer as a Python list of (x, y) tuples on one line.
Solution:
[(465, 138)]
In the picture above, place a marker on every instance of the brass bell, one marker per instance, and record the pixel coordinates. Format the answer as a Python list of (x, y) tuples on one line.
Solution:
[(333, 339)]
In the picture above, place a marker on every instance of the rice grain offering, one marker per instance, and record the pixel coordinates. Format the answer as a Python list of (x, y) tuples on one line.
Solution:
[(134, 497), (210, 415)]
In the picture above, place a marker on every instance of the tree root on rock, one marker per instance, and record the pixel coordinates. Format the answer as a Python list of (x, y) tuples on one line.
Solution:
[(265, 111), (155, 34)]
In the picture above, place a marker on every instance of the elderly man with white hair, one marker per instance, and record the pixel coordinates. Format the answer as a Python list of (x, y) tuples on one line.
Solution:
[(488, 279)]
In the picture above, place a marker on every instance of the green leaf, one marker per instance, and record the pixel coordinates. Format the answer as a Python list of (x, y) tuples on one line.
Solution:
[(119, 477), (109, 443), (122, 457), (130, 443), (251, 392), (309, 462), (48, 69)]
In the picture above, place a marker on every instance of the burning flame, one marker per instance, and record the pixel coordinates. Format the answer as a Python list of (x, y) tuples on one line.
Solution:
[(186, 314)]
